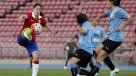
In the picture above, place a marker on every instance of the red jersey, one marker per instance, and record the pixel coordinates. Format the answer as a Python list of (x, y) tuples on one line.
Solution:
[(31, 19)]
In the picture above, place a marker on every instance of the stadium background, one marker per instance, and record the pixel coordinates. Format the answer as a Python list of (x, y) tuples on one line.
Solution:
[(61, 17)]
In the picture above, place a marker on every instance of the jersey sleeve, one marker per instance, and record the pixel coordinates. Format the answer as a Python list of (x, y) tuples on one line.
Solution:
[(44, 21), (85, 26), (108, 12), (123, 14), (29, 15)]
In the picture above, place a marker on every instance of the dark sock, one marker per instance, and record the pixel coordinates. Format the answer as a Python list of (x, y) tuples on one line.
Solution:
[(66, 62), (74, 71), (109, 63), (95, 69), (31, 63), (91, 64), (83, 72)]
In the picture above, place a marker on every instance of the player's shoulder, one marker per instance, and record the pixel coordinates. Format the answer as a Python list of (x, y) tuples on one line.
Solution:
[(119, 9), (44, 20), (87, 24), (29, 14)]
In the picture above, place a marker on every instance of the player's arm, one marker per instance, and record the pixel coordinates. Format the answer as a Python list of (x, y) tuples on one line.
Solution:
[(128, 19), (104, 15), (101, 16), (127, 22), (104, 36), (81, 30), (66, 48), (22, 18), (50, 29)]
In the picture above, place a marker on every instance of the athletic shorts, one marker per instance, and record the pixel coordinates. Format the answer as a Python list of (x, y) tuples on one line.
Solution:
[(70, 55), (31, 46), (109, 46), (84, 57)]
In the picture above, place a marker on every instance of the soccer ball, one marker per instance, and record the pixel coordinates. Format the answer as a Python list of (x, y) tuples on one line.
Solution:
[(36, 28)]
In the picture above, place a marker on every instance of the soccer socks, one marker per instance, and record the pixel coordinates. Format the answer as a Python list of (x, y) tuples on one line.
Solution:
[(73, 69), (31, 62), (83, 72), (91, 64), (35, 68), (109, 63), (95, 69)]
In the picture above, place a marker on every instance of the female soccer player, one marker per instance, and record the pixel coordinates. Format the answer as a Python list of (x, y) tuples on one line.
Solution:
[(98, 36), (116, 34), (84, 53), (27, 38)]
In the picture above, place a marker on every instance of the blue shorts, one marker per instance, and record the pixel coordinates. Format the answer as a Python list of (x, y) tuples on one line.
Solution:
[(31, 46)]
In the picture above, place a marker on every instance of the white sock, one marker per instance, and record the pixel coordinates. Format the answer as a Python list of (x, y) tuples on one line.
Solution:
[(35, 68)]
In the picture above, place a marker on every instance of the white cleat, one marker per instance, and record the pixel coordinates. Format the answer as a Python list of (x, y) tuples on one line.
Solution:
[(96, 74), (78, 75), (65, 67), (114, 72)]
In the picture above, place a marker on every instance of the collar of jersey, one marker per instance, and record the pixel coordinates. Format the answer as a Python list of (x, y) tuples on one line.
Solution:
[(34, 15)]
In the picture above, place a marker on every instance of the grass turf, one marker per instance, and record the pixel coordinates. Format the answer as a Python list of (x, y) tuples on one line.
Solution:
[(54, 72)]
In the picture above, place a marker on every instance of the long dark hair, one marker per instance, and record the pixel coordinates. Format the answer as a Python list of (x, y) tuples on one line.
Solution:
[(37, 4), (115, 2), (81, 18)]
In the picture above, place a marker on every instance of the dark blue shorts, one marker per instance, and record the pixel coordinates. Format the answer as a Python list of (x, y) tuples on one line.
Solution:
[(31, 46)]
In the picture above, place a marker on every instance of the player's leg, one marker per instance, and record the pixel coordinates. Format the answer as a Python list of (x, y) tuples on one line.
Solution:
[(35, 63), (67, 58), (26, 34), (112, 67), (31, 60), (72, 64), (108, 62), (33, 50), (108, 47), (82, 71), (84, 60), (100, 57)]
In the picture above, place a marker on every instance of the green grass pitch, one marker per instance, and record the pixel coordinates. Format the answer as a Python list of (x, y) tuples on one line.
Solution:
[(54, 72)]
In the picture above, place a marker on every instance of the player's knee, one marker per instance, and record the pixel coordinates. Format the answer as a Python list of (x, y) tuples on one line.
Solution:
[(36, 56)]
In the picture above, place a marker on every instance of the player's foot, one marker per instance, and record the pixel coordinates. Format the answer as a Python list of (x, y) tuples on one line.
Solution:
[(114, 72), (65, 67), (96, 74), (78, 75)]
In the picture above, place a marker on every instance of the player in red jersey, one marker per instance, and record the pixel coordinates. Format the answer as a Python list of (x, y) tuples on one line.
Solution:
[(27, 38)]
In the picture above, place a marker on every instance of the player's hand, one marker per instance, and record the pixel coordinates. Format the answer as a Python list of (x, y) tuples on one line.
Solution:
[(97, 19), (119, 28), (78, 28), (56, 32), (20, 19)]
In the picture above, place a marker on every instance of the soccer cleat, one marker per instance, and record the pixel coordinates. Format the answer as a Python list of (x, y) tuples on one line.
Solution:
[(28, 34), (65, 67), (78, 75), (96, 74), (114, 72)]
